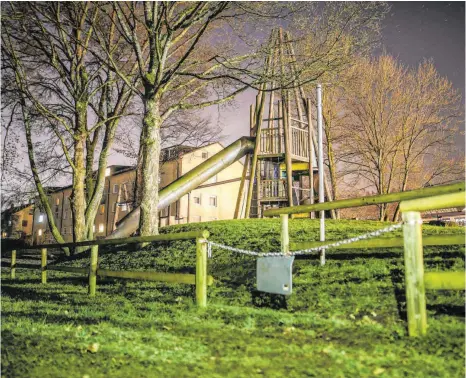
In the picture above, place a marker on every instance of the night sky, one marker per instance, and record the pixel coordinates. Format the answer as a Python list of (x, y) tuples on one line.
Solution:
[(412, 31)]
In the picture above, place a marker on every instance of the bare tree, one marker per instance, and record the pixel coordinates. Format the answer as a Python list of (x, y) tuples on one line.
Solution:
[(187, 59), (400, 119), (64, 92)]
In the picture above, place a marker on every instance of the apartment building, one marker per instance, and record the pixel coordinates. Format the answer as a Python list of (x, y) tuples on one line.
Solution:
[(213, 200), (17, 222)]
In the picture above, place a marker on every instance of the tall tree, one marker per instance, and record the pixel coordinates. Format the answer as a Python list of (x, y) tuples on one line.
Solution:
[(188, 58), (77, 99), (400, 119)]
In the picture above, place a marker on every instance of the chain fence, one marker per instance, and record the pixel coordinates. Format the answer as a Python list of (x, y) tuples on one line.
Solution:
[(354, 239)]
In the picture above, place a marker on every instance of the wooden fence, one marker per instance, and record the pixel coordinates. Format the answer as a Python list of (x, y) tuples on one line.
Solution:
[(412, 203), (201, 280)]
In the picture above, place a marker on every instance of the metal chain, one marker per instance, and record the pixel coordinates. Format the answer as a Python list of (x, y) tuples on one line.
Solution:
[(303, 251)]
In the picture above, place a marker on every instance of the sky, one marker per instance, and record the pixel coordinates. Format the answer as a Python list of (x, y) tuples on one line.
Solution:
[(412, 32)]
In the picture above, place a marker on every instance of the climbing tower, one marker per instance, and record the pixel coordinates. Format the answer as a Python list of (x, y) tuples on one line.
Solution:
[(282, 169)]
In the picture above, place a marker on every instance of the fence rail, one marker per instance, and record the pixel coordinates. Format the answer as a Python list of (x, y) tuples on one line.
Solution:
[(299, 142), (273, 189), (201, 280), (372, 200), (271, 141)]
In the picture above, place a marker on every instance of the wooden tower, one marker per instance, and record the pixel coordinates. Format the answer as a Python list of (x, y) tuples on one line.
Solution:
[(285, 142)]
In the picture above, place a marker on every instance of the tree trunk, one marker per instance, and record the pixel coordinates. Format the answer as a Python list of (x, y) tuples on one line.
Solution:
[(403, 188), (40, 189), (149, 219), (333, 173), (78, 199)]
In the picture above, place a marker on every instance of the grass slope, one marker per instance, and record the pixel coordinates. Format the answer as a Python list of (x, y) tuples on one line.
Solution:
[(346, 319)]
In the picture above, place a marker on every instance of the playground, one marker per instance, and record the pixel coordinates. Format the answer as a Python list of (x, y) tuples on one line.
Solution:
[(283, 288), (347, 318)]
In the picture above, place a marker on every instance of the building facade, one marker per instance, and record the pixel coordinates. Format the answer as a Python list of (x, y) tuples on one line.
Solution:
[(17, 222), (214, 200)]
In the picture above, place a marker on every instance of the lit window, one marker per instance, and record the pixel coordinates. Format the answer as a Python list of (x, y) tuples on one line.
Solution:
[(197, 200), (102, 209), (213, 201), (101, 227), (4, 234), (39, 232), (41, 218), (107, 172), (205, 155), (124, 207), (115, 188), (57, 202)]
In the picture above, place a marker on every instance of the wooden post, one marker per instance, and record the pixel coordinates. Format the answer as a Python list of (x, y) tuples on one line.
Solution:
[(43, 264), (311, 156), (93, 270), (13, 264), (201, 272), (289, 169), (414, 274), (285, 238)]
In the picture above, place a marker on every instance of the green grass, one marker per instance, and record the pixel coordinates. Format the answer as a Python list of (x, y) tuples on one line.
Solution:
[(346, 319)]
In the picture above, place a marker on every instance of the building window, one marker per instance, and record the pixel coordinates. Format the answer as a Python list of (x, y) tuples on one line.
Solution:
[(25, 223), (9, 222), (57, 201), (39, 232), (101, 227), (65, 214), (124, 207), (115, 188), (205, 155), (165, 212), (64, 230), (197, 200), (4, 234), (41, 218), (107, 172), (213, 201), (102, 209)]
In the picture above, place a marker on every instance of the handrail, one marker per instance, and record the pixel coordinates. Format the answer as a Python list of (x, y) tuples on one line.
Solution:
[(201, 280), (429, 240), (367, 201), (434, 203), (131, 240)]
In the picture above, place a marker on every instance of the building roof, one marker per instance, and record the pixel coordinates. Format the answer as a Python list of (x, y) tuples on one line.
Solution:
[(15, 209), (173, 152)]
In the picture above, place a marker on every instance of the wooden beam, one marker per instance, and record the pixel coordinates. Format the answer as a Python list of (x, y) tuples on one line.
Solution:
[(444, 281), (414, 274), (429, 240), (371, 200)]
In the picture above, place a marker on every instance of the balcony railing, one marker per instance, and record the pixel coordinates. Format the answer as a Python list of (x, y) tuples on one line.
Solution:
[(273, 189)]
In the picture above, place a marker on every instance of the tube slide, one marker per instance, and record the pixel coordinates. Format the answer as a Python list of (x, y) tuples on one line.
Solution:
[(189, 181)]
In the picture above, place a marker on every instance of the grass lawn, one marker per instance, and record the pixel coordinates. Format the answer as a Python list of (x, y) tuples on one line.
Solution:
[(346, 319)]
